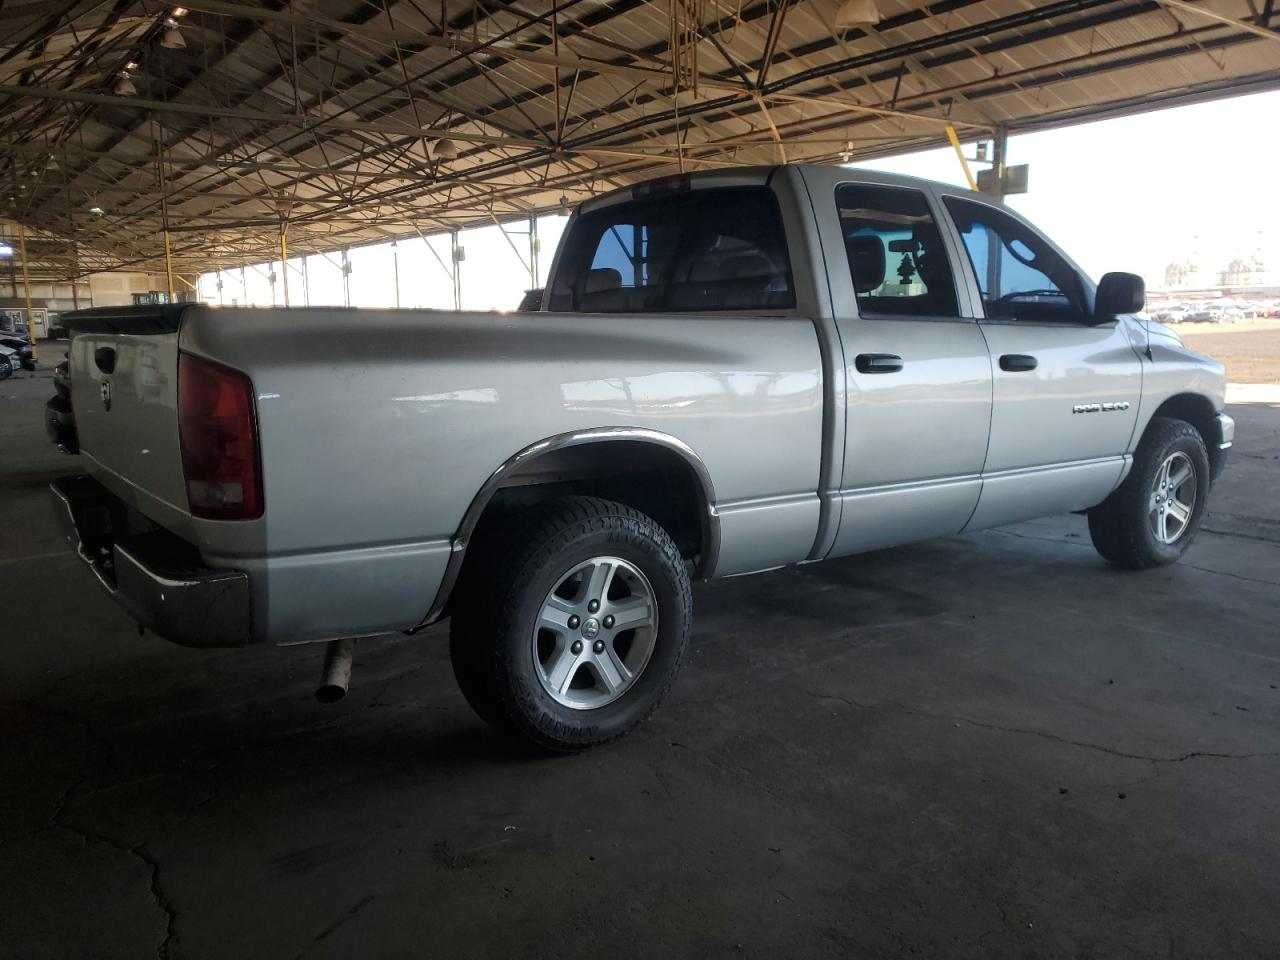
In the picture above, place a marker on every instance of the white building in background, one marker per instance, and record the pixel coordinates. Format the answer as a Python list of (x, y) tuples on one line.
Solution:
[(1243, 270)]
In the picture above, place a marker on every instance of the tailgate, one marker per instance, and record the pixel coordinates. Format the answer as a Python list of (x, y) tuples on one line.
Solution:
[(124, 392)]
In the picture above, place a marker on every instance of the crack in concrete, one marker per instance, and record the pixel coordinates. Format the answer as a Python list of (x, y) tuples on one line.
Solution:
[(1046, 735), (1181, 563), (167, 948), (1233, 576), (1235, 535)]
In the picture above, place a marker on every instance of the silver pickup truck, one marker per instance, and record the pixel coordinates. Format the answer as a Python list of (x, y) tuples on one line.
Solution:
[(731, 372)]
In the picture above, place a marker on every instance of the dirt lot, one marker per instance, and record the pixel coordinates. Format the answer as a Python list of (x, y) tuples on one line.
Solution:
[(1250, 348)]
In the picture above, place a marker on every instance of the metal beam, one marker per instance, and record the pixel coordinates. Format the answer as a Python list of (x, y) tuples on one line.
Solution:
[(454, 42), (1198, 10), (305, 122)]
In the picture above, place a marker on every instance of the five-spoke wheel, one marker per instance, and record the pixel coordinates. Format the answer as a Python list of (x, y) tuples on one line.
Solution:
[(1151, 517), (573, 629), (595, 633), (1173, 498)]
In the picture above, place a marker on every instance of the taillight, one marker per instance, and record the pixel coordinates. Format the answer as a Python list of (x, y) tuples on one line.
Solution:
[(219, 436)]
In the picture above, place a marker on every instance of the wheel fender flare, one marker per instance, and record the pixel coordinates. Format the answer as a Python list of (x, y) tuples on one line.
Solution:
[(513, 464)]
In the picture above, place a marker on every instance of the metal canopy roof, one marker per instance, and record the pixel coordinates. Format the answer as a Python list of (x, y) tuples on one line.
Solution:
[(222, 119)]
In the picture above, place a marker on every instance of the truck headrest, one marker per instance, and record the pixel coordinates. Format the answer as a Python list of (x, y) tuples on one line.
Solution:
[(601, 279), (866, 262)]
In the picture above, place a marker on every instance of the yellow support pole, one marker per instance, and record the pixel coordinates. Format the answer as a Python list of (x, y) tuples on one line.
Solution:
[(284, 265), (955, 142), (26, 289), (168, 264)]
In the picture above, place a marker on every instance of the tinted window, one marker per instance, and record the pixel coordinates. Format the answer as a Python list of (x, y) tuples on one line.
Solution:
[(895, 252), (704, 250), (1020, 276)]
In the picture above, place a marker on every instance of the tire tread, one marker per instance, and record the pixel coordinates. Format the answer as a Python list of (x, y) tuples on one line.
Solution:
[(543, 532), (1117, 526)]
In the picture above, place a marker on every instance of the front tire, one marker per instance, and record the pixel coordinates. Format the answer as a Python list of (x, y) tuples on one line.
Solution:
[(1151, 518), (571, 632)]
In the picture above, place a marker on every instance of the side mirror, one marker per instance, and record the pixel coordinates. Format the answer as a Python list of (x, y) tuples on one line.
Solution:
[(1119, 293), (866, 262)]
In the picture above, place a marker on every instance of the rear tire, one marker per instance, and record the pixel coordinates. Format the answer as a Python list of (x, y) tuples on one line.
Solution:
[(1151, 518), (570, 632)]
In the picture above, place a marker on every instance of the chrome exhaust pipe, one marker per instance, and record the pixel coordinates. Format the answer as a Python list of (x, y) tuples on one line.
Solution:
[(337, 672)]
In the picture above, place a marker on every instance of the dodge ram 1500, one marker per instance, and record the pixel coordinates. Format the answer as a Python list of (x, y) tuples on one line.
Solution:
[(730, 372)]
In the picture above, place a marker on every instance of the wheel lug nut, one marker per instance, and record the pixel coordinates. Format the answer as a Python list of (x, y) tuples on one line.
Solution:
[(574, 621), (598, 646), (608, 622), (593, 606), (576, 647)]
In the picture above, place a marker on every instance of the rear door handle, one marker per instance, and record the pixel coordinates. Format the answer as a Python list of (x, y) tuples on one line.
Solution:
[(105, 358), (1017, 362), (877, 363)]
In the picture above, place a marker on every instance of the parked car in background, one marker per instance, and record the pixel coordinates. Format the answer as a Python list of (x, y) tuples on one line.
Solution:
[(1232, 314), (1203, 313), (25, 351), (10, 362)]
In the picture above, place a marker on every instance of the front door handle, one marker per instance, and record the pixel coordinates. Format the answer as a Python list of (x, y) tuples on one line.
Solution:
[(877, 363), (1017, 362)]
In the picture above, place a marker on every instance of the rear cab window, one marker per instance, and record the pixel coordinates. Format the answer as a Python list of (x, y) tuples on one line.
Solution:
[(895, 251), (704, 250)]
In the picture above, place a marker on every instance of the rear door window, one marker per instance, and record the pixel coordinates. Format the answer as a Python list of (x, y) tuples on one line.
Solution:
[(896, 257), (705, 250)]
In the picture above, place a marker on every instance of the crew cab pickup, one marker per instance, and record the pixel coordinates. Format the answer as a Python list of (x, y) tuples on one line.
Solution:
[(730, 372)]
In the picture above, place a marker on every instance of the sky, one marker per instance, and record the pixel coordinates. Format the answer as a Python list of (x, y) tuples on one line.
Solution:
[(1132, 194), (1140, 192)]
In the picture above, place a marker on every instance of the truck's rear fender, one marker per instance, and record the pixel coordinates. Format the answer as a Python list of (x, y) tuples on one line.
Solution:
[(651, 471)]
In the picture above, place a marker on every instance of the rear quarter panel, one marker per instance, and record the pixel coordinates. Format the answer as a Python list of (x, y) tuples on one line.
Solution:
[(379, 427)]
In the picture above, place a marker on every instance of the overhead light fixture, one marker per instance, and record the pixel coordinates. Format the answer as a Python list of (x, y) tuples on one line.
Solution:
[(96, 210), (857, 13), (124, 85), (172, 39), (131, 65), (5, 250), (564, 205), (445, 150), (178, 12)]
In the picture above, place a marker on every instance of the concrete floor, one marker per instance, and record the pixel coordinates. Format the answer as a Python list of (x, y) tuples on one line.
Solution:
[(990, 746)]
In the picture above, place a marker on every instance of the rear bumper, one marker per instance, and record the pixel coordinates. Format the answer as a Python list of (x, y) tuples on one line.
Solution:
[(154, 575)]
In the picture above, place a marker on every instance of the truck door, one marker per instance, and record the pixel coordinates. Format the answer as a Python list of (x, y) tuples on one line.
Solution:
[(917, 374), (1066, 389)]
